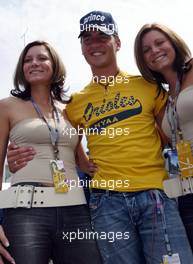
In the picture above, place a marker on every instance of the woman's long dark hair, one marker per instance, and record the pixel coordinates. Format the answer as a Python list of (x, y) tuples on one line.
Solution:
[(22, 87)]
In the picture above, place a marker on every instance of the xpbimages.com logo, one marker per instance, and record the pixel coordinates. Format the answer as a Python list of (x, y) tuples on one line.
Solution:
[(95, 27), (110, 185), (92, 235), (110, 80), (110, 132)]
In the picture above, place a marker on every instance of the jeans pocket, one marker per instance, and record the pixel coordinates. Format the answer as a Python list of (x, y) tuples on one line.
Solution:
[(94, 204), (168, 203)]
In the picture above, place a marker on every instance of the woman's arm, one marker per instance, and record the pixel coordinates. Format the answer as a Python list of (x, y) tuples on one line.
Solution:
[(83, 162), (4, 135)]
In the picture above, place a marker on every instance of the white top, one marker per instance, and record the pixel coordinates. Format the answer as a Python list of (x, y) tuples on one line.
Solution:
[(184, 109)]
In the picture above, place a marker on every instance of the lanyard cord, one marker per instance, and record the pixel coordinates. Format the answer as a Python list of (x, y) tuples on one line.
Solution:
[(54, 134), (160, 208), (172, 115)]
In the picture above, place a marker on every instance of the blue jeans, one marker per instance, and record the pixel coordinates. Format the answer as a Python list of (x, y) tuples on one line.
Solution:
[(39, 234), (136, 223), (185, 204)]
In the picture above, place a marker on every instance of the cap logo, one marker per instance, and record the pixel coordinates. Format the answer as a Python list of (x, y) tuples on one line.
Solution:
[(92, 17)]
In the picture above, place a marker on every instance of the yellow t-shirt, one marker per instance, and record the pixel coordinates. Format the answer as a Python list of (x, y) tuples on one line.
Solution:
[(119, 123)]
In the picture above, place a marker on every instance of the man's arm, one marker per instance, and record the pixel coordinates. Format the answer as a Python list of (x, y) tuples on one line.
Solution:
[(159, 118)]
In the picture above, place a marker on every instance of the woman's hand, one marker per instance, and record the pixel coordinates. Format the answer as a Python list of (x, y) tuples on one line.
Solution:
[(18, 157), (3, 252)]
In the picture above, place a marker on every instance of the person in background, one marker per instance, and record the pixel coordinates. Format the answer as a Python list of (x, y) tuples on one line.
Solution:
[(44, 206), (164, 58), (127, 198)]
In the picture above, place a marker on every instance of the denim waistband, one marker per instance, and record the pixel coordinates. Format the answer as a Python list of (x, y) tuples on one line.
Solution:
[(112, 192)]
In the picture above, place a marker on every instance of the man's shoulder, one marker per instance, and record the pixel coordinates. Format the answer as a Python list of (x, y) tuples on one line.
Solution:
[(77, 98), (140, 82), (82, 94), (140, 79), (135, 77)]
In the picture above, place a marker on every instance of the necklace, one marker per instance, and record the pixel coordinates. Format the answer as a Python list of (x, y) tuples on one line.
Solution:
[(107, 81)]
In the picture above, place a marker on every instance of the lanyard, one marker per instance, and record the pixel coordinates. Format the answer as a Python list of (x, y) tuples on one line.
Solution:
[(160, 207), (53, 131), (172, 115)]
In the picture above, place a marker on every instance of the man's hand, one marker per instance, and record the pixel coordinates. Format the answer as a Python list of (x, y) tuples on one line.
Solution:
[(92, 167), (18, 157), (3, 252)]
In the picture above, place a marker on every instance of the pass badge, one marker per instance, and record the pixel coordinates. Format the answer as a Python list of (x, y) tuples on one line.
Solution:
[(172, 158), (174, 259), (59, 178), (185, 158)]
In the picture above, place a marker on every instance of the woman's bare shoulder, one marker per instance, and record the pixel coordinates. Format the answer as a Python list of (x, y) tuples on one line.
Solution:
[(9, 103), (10, 100)]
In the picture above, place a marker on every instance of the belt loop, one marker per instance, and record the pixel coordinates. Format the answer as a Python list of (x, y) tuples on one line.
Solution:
[(186, 185), (17, 195), (32, 191), (190, 182)]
